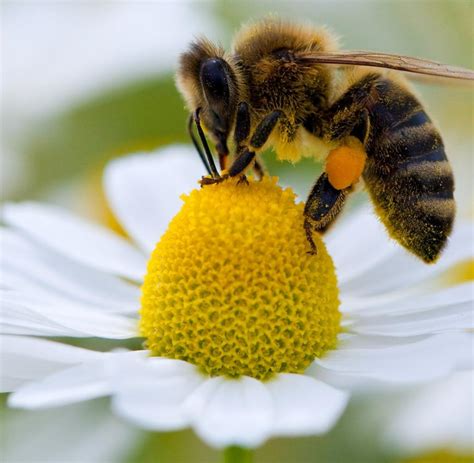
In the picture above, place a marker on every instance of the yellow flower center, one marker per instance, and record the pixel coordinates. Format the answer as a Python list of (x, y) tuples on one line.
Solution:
[(231, 287)]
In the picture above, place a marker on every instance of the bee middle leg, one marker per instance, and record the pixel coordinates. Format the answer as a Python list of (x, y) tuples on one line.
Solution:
[(322, 207)]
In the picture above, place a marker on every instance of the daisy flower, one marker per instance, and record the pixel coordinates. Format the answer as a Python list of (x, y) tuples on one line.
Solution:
[(246, 335)]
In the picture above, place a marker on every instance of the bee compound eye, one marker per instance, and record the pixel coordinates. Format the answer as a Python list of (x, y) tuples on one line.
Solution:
[(214, 80)]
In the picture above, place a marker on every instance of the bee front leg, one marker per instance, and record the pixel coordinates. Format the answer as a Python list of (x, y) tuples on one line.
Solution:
[(322, 207), (247, 154), (243, 160), (258, 139)]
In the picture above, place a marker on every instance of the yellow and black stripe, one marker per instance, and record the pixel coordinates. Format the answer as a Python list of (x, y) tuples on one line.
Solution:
[(407, 173)]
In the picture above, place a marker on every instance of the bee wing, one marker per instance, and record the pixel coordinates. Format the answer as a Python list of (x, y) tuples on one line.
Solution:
[(389, 61)]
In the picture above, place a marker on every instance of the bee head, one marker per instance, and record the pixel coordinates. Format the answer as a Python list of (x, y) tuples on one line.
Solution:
[(208, 80)]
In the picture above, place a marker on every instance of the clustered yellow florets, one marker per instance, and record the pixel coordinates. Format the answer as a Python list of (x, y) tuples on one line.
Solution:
[(231, 287)]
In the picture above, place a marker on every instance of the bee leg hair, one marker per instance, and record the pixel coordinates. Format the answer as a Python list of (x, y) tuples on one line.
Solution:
[(322, 207)]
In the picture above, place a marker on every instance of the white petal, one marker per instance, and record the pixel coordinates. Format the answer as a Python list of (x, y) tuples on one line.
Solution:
[(75, 384), (66, 435), (77, 239), (24, 359), (87, 380), (303, 405), (358, 341), (153, 393), (403, 271), (231, 412), (48, 276), (443, 310), (24, 312), (144, 190), (436, 416), (446, 318), (29, 329), (418, 361), (358, 243), (406, 301)]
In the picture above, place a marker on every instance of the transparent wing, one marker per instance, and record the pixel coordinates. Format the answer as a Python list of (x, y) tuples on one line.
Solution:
[(389, 61)]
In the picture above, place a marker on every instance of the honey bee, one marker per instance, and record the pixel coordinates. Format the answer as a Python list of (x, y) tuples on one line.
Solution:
[(287, 87)]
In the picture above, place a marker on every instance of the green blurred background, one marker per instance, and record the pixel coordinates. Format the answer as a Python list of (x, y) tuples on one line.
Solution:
[(83, 82)]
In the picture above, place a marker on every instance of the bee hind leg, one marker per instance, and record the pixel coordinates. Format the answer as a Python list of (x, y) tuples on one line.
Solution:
[(322, 207)]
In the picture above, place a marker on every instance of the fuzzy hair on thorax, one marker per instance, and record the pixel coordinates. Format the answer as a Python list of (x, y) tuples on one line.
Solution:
[(269, 75)]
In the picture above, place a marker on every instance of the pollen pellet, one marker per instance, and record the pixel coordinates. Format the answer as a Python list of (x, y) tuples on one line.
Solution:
[(344, 166), (231, 287)]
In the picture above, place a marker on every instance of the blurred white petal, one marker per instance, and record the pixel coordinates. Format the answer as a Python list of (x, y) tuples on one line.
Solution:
[(439, 416), (26, 359), (75, 384), (66, 435), (144, 190), (357, 244), (90, 379), (87, 243), (403, 271)]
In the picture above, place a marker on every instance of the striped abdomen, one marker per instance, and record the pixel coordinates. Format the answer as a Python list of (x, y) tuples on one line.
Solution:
[(407, 173)]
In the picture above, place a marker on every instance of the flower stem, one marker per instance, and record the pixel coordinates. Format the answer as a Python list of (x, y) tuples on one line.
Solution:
[(236, 454)]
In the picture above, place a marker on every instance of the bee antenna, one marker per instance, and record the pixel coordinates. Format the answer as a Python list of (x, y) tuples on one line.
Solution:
[(210, 159), (196, 144)]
